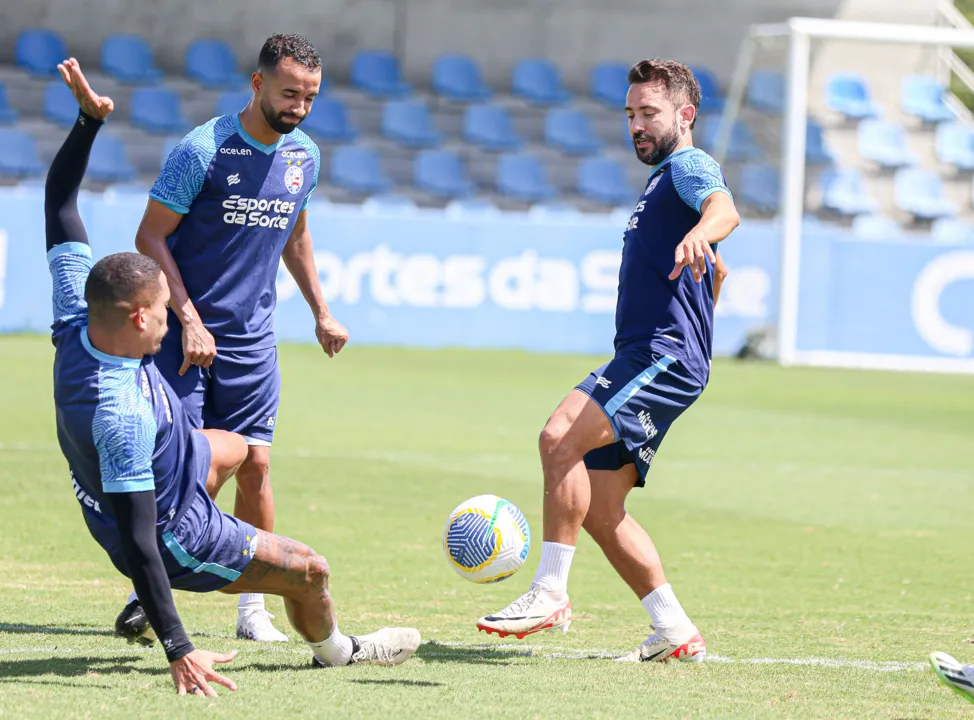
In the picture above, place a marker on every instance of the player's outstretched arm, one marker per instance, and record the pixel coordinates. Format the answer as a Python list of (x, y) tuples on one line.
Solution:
[(718, 218)]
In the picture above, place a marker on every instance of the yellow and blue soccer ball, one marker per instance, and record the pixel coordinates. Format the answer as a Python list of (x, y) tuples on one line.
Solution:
[(486, 539)]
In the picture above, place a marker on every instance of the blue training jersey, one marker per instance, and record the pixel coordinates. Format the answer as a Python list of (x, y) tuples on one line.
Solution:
[(239, 200), (675, 317), (120, 426)]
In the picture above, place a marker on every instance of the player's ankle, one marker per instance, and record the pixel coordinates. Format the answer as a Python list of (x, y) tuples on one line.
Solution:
[(250, 602)]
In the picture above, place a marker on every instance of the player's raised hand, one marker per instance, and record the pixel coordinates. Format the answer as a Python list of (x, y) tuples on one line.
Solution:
[(331, 334), (92, 104), (693, 252), (193, 673)]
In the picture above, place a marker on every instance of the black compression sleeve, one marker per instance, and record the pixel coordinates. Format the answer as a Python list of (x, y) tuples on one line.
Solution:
[(135, 516), (62, 221)]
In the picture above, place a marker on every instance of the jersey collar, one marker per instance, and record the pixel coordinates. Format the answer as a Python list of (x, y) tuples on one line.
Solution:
[(266, 149), (669, 157), (105, 357)]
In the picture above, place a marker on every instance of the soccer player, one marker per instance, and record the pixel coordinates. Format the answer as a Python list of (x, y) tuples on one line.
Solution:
[(600, 442), (229, 204), (957, 677), (140, 472)]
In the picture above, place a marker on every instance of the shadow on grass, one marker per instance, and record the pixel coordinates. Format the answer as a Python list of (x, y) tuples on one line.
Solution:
[(404, 683), (69, 629), (75, 666), (470, 654)]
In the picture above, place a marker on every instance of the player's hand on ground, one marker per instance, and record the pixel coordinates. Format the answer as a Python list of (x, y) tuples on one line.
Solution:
[(199, 347), (693, 252), (331, 334), (92, 104), (193, 673)]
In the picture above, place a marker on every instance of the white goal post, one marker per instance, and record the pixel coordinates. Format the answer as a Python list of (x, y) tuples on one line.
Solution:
[(799, 34)]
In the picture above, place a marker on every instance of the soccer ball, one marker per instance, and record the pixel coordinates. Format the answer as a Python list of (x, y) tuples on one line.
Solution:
[(486, 539)]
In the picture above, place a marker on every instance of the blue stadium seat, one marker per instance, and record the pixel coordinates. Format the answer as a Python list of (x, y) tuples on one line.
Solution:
[(328, 121), (921, 193), (872, 226), (473, 206), (523, 177), (441, 173), (358, 169), (848, 94), (8, 115), (60, 107), (954, 143), (230, 102), (18, 155), (538, 82), (742, 145), (458, 77), (817, 150), (711, 99), (409, 122), (845, 192), (570, 131), (608, 84), (490, 127), (158, 110), (885, 143), (128, 59), (109, 162), (766, 91), (760, 187), (377, 73), (604, 180), (39, 51), (952, 231), (168, 145), (212, 64), (923, 97)]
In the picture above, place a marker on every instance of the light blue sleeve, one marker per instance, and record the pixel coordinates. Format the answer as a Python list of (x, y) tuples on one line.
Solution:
[(124, 431), (697, 176), (315, 154), (69, 264), (183, 174)]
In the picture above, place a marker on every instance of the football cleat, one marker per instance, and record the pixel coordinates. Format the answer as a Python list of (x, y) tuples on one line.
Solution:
[(657, 648), (959, 678), (256, 625), (388, 647), (133, 625), (536, 610)]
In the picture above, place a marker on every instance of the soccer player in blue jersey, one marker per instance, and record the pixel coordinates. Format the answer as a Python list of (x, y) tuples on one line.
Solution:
[(600, 442), (143, 477), (229, 204)]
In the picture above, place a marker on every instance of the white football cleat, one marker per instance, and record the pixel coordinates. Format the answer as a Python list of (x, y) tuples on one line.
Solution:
[(256, 625), (657, 648), (388, 646), (959, 678), (536, 610)]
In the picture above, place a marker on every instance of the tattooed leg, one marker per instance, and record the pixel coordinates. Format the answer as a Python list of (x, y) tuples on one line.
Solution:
[(298, 574)]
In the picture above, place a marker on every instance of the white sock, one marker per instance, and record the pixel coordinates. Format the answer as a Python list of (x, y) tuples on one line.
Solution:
[(132, 598), (669, 618), (556, 561), (336, 650), (250, 602)]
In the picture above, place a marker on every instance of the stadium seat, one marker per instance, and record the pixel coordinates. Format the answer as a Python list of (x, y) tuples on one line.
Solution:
[(742, 144), (491, 128), (845, 192), (523, 177), (954, 142), (212, 64), (441, 173), (760, 187), (952, 231), (167, 147), (766, 91), (548, 211), (817, 150), (872, 226), (158, 110), (409, 122), (608, 84), (18, 155), (604, 180), (458, 77), (60, 107), (358, 169), (848, 94), (231, 102), (711, 99), (376, 73), (570, 131), (538, 82), (465, 207), (8, 115), (923, 97), (39, 51), (329, 122), (921, 193), (128, 59), (109, 162), (885, 143)]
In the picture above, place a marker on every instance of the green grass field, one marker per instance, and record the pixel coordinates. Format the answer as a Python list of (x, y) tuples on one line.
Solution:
[(816, 525)]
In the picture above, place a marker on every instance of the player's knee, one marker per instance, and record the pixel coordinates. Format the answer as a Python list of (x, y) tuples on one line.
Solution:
[(318, 571), (601, 522), (254, 474), (552, 437)]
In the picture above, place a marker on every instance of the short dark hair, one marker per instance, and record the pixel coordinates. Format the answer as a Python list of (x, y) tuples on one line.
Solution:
[(288, 45), (119, 280), (676, 77)]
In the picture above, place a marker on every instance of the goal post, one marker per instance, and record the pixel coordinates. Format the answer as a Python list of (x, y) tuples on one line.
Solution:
[(799, 34)]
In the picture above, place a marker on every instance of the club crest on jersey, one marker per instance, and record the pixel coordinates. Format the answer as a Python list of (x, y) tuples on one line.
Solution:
[(652, 185), (294, 179)]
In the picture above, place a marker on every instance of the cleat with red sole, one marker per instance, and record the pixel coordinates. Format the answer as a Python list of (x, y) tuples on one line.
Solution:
[(657, 648), (536, 610)]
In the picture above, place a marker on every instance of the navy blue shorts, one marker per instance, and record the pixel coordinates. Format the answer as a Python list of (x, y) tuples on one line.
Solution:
[(240, 392), (641, 393)]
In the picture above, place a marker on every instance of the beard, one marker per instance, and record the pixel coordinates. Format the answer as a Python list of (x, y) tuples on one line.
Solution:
[(662, 147), (283, 122)]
